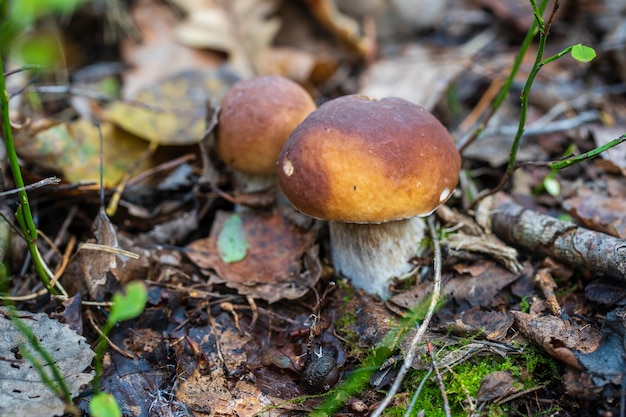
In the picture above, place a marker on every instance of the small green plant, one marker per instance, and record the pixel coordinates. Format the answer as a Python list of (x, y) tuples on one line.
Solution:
[(579, 52), (525, 303), (125, 306), (15, 18)]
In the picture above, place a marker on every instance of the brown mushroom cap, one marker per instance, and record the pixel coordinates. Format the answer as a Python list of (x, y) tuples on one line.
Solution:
[(360, 160), (256, 117)]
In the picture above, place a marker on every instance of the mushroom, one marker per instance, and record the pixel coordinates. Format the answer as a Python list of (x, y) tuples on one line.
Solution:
[(256, 117), (373, 169)]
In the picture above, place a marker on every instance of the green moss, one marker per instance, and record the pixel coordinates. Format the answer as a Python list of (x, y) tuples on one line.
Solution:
[(529, 369)]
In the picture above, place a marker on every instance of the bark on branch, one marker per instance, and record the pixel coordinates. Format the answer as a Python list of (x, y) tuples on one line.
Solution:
[(565, 241)]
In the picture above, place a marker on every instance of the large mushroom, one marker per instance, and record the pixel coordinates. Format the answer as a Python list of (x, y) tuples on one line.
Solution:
[(256, 117), (373, 169)]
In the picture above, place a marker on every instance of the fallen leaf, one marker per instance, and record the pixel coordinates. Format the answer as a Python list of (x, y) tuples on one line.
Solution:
[(492, 325), (421, 74), (598, 212), (96, 263), (73, 150), (606, 291), (481, 289), (22, 392), (558, 338), (173, 111), (158, 55), (494, 385), (244, 29), (232, 242), (272, 269), (606, 362)]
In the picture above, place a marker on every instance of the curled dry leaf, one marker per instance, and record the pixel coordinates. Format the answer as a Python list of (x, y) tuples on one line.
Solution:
[(96, 263), (558, 338), (491, 324), (345, 28)]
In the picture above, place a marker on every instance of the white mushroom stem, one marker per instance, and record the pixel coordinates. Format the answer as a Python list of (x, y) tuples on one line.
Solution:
[(372, 254)]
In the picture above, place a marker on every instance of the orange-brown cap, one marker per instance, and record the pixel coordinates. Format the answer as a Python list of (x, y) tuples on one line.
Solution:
[(256, 117), (360, 160)]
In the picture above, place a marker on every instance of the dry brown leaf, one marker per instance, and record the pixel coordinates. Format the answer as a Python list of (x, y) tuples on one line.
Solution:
[(244, 29), (158, 55), (558, 338), (598, 212), (491, 324), (272, 267), (480, 290), (422, 74), (96, 264), (494, 385)]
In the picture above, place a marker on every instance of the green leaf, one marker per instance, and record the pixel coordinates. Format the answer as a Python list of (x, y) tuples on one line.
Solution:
[(129, 304), (104, 405), (232, 242), (583, 53), (552, 186)]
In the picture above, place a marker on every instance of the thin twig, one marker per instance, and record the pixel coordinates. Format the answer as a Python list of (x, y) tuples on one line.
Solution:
[(408, 360), (112, 345), (38, 184), (442, 388), (109, 249)]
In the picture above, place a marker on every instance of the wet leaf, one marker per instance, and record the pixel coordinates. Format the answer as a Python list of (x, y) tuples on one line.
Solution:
[(232, 242)]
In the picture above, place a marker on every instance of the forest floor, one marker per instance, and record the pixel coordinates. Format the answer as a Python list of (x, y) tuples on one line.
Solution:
[(532, 316)]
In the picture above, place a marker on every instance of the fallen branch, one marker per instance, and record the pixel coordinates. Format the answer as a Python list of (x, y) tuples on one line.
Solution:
[(565, 241)]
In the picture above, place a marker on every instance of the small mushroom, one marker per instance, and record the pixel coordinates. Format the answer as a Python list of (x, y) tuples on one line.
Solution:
[(257, 116), (372, 168)]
